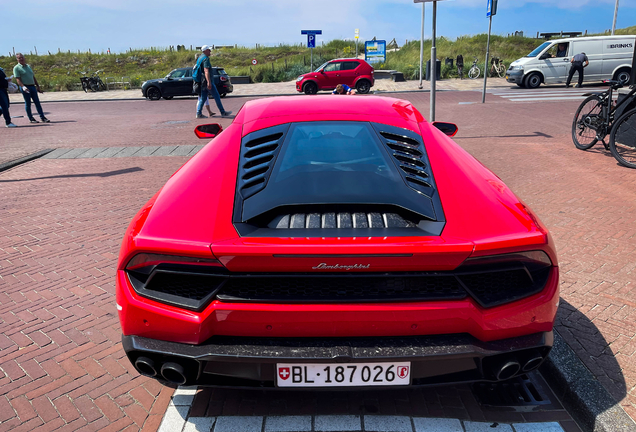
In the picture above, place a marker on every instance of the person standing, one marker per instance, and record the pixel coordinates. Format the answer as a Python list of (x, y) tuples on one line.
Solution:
[(459, 61), (202, 73), (4, 99), (579, 62), (29, 88)]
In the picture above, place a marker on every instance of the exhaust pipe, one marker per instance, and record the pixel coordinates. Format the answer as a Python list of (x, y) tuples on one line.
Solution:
[(174, 373), (507, 370), (532, 363), (146, 366)]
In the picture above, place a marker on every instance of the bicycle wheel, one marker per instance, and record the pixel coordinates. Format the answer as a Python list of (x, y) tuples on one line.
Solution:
[(622, 142), (501, 70), (474, 72), (587, 121)]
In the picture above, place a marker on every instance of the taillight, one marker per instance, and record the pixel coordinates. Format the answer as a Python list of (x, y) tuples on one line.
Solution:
[(185, 282), (497, 279), (222, 78), (145, 263)]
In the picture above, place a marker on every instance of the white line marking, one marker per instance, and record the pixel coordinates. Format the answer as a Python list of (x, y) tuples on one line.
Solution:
[(546, 99)]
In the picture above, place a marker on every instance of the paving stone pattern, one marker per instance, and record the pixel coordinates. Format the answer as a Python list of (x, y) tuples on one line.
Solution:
[(61, 362)]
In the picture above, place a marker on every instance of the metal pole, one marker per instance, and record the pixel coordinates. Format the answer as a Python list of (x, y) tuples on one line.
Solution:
[(615, 13), (356, 48), (422, 48), (433, 65), (312, 60), (483, 93)]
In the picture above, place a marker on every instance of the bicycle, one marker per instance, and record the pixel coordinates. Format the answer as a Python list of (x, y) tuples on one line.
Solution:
[(497, 67), (594, 118), (474, 71), (622, 142)]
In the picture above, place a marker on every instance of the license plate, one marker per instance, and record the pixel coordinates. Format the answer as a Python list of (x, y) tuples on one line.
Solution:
[(343, 374)]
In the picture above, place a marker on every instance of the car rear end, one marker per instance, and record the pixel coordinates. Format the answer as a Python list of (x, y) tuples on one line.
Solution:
[(304, 283), (224, 82)]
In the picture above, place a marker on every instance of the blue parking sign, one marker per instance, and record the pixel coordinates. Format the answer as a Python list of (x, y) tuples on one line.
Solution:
[(311, 41)]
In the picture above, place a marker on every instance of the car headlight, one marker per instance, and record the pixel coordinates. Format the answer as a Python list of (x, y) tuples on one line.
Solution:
[(518, 67), (300, 78)]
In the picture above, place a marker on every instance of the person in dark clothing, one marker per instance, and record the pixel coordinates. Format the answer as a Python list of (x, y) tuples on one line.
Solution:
[(460, 66), (4, 99), (579, 62)]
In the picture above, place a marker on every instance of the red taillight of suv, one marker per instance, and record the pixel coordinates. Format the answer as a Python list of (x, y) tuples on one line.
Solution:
[(222, 78)]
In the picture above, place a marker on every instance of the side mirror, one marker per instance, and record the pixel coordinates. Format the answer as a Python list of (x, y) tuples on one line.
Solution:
[(449, 129), (207, 130), (322, 71), (544, 56)]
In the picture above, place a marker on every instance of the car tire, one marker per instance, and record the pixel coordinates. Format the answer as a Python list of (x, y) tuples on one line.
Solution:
[(310, 88), (222, 94), (623, 76), (363, 86), (168, 97), (533, 81), (153, 93), (522, 85)]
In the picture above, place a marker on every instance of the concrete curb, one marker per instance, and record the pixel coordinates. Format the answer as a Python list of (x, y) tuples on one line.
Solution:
[(589, 403), (8, 165)]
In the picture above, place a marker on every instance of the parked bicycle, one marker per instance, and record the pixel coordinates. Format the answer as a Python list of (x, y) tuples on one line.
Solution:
[(498, 67), (92, 82), (474, 71), (595, 119)]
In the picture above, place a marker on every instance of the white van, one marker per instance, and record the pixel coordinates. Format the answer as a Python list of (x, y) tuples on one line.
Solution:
[(610, 58)]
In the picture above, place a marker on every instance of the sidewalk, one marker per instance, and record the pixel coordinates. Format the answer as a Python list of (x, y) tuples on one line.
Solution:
[(270, 89)]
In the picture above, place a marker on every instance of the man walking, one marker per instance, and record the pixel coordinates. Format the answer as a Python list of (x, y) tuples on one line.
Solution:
[(203, 75), (4, 99), (29, 88), (577, 65)]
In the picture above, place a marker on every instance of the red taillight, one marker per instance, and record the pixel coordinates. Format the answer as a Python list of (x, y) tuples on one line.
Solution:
[(531, 259), (222, 78), (151, 260)]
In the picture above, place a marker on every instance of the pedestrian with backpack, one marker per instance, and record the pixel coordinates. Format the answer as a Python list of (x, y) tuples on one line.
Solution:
[(204, 83)]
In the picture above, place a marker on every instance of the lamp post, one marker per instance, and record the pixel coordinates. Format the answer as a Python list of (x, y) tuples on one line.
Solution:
[(433, 54), (615, 13), (422, 49)]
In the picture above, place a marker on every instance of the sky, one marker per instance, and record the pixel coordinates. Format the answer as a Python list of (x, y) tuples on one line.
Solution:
[(122, 24)]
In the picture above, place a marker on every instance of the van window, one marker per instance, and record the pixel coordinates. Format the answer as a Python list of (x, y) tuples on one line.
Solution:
[(538, 49)]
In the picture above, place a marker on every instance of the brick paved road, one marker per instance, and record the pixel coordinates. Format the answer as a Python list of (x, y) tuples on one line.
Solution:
[(60, 357)]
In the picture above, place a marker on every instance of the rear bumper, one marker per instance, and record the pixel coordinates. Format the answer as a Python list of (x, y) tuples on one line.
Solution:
[(251, 362)]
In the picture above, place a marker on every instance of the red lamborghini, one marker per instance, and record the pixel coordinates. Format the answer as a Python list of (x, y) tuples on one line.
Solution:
[(335, 242)]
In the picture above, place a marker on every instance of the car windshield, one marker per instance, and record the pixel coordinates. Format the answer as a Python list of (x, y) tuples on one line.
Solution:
[(538, 49), (321, 66)]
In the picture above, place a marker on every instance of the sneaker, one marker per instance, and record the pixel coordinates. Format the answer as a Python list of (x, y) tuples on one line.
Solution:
[(45, 120), (568, 86), (212, 113), (11, 125), (226, 114), (200, 116), (32, 120), (577, 86)]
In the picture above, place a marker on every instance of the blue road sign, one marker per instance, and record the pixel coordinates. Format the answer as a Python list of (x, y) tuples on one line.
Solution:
[(311, 41), (307, 32), (491, 8)]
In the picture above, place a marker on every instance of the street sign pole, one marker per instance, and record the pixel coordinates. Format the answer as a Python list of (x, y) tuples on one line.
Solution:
[(357, 36), (433, 64), (422, 48), (615, 13), (311, 42), (483, 93)]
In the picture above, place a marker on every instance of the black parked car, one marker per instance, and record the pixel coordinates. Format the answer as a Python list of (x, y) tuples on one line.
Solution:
[(179, 83)]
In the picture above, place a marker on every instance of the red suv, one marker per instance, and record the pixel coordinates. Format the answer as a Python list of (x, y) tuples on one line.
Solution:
[(355, 73)]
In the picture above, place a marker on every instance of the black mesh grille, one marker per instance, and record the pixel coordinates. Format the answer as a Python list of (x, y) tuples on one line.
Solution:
[(342, 289), (191, 286)]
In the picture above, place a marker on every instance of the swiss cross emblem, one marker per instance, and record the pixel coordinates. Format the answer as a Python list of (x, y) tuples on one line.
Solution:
[(283, 372), (403, 371)]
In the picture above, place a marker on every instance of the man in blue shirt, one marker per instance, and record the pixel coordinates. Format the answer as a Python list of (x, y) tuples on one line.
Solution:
[(202, 74), (4, 99), (343, 89), (577, 65)]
